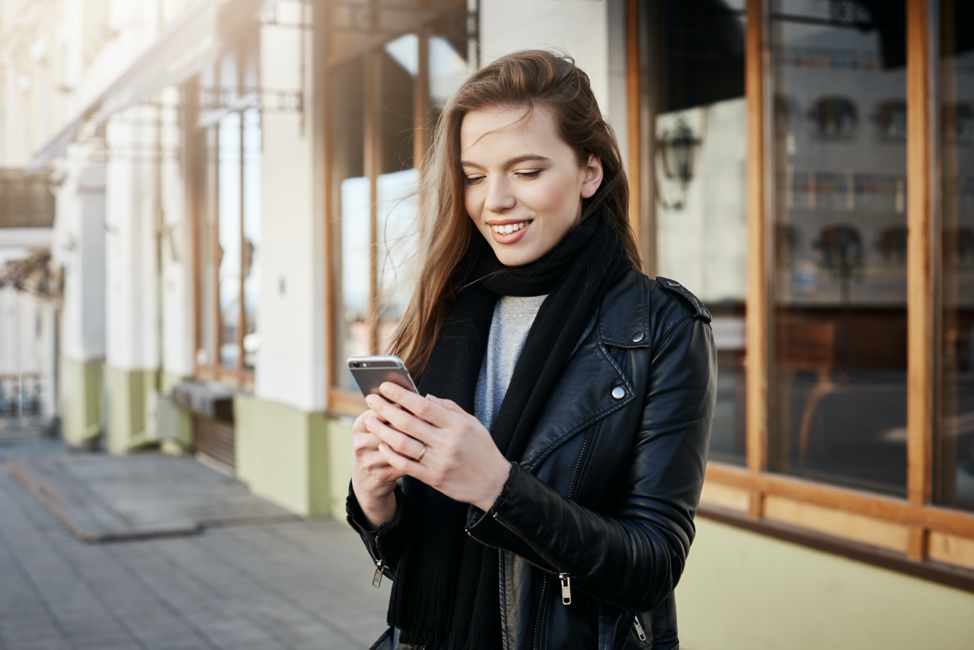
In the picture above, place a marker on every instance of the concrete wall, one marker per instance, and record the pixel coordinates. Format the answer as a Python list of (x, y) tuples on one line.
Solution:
[(744, 590)]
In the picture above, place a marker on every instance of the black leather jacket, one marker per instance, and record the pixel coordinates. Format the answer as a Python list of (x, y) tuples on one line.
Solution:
[(595, 521)]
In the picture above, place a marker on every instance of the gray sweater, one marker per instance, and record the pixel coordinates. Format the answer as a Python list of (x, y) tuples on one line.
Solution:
[(513, 317)]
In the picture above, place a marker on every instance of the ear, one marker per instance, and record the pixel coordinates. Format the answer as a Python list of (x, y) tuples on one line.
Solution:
[(593, 176)]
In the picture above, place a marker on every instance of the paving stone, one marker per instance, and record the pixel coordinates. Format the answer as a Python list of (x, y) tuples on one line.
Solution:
[(261, 584), (120, 643)]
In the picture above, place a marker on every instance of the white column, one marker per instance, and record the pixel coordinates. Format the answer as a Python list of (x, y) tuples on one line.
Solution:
[(131, 296), (79, 245), (290, 363)]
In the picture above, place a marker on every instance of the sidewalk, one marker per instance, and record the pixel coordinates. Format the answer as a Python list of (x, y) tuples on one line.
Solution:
[(261, 582)]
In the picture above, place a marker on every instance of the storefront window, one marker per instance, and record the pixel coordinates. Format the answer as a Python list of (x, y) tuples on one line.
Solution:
[(228, 237), (251, 233), (351, 274), (383, 104), (205, 247), (694, 80), (228, 197), (839, 354), (954, 473)]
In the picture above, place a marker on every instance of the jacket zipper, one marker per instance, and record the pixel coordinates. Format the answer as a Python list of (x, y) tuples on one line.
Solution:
[(639, 628), (537, 620), (586, 441), (377, 576), (379, 563), (566, 588)]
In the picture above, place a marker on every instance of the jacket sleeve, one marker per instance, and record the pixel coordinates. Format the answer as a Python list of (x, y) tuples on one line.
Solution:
[(632, 554), (385, 543)]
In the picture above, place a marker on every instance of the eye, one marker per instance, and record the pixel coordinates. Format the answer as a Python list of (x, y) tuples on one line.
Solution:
[(528, 174), (473, 180)]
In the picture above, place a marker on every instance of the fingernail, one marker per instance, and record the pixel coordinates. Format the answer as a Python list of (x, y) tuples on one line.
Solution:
[(432, 398), (370, 399)]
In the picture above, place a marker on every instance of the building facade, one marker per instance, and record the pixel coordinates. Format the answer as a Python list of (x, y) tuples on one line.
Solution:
[(235, 216)]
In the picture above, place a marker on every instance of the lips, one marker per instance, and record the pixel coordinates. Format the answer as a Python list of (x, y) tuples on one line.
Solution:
[(508, 233)]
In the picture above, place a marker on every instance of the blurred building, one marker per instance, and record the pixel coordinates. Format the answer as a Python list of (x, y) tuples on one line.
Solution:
[(233, 216)]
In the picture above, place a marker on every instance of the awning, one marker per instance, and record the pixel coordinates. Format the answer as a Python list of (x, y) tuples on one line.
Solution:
[(184, 48)]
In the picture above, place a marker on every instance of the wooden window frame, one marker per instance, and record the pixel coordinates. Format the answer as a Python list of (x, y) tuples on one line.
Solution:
[(910, 534), (237, 375)]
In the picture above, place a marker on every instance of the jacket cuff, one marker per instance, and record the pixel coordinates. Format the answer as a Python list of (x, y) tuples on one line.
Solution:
[(475, 514), (356, 518)]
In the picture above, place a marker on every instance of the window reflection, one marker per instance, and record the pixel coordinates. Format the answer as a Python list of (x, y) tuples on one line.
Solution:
[(206, 278), (229, 195), (839, 333), (695, 85), (955, 453), (251, 233), (349, 211)]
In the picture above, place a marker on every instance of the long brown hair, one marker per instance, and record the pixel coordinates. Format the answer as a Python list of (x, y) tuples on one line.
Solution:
[(526, 79)]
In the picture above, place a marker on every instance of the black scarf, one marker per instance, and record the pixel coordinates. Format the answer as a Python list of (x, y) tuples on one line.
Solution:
[(445, 594)]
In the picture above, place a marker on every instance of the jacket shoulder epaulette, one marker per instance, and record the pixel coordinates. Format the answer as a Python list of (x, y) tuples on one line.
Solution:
[(673, 286)]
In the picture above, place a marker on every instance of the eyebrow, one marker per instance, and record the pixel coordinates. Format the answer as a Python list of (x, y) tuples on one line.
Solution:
[(511, 161)]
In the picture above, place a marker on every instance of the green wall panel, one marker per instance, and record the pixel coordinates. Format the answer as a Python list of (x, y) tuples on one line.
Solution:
[(125, 399), (80, 406), (283, 454), (184, 432), (339, 467), (745, 590)]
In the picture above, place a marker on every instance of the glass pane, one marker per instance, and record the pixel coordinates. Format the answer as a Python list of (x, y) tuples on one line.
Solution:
[(206, 278), (955, 455), (251, 232), (350, 256), (228, 209), (452, 50), (839, 318), (396, 228), (695, 87)]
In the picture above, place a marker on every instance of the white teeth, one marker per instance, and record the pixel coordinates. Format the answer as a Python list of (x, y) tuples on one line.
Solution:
[(508, 228)]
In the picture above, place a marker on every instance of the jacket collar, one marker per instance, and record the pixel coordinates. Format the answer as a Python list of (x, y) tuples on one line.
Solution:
[(594, 384)]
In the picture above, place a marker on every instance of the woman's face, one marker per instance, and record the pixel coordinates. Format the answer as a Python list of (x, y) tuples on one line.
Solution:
[(524, 186)]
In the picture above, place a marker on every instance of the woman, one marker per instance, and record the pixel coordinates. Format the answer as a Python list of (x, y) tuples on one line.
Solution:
[(542, 493)]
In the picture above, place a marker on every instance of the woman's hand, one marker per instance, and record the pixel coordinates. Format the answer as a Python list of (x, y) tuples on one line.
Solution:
[(373, 478), (437, 442)]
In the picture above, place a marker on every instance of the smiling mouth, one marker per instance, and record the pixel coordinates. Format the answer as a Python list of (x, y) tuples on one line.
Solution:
[(508, 228)]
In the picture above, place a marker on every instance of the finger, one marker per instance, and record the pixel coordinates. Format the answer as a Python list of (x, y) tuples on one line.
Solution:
[(401, 443), (359, 423), (403, 420), (364, 442), (424, 409), (448, 404), (403, 464)]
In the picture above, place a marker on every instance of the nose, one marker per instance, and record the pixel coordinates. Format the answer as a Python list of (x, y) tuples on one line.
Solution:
[(499, 198)]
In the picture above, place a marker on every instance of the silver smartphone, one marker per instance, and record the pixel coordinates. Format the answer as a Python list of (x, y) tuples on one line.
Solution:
[(371, 370)]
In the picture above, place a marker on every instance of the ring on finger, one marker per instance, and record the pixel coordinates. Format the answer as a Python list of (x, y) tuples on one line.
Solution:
[(421, 454)]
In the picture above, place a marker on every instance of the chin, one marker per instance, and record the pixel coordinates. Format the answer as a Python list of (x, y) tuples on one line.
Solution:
[(515, 258)]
